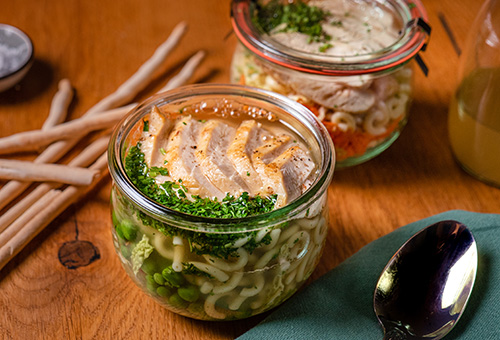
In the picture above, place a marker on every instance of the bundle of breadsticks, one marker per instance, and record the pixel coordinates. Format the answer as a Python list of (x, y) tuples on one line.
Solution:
[(60, 185)]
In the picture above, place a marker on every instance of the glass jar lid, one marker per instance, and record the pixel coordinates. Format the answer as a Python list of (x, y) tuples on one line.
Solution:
[(357, 37)]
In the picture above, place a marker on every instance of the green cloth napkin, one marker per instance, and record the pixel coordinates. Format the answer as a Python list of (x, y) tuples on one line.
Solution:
[(339, 305)]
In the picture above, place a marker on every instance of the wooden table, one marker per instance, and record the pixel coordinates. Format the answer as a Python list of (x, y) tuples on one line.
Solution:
[(97, 45)]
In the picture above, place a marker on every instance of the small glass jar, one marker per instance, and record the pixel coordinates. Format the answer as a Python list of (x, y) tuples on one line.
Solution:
[(214, 268), (357, 81)]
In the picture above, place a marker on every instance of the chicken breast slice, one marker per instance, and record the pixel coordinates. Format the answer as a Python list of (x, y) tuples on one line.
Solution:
[(295, 167), (182, 162), (154, 140), (272, 181), (213, 143), (247, 138)]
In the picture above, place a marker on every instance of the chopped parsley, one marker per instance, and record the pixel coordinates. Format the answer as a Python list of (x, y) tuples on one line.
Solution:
[(190, 269), (296, 17), (325, 47)]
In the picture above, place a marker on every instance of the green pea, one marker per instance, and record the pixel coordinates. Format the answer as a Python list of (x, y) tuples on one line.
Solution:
[(152, 286), (163, 291), (119, 231), (125, 251), (129, 230), (190, 293), (153, 264), (197, 308), (173, 278), (150, 279), (176, 301), (114, 218), (159, 278)]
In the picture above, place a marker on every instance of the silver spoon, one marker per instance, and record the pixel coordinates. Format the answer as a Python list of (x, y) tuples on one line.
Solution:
[(423, 290)]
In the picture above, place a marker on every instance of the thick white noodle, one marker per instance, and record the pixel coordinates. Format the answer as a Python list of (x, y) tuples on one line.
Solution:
[(345, 121), (241, 242), (209, 306), (261, 233), (285, 235), (206, 287), (178, 254), (268, 256), (319, 233), (211, 270), (302, 267), (258, 303), (227, 265), (237, 302), (396, 105), (375, 123), (275, 235), (304, 271), (298, 244), (230, 285), (308, 223), (289, 278), (256, 288), (162, 245)]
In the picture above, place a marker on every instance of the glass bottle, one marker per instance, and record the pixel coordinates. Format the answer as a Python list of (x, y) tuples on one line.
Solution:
[(474, 114)]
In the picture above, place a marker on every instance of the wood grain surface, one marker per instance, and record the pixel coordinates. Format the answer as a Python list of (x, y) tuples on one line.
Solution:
[(97, 45)]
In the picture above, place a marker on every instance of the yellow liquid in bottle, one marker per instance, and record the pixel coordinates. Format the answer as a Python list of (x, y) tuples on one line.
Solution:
[(474, 125)]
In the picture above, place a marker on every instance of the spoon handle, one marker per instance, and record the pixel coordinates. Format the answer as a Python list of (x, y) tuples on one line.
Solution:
[(394, 334)]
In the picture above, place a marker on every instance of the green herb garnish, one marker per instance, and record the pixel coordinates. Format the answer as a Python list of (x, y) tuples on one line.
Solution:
[(325, 47), (173, 195), (296, 17)]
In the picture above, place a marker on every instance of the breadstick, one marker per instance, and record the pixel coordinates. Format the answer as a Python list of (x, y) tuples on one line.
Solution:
[(40, 218), (29, 171), (83, 159), (142, 77), (30, 140), (185, 73), (57, 113), (60, 104)]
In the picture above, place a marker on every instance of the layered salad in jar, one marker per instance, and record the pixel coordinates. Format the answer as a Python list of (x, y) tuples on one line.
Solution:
[(210, 162), (364, 112)]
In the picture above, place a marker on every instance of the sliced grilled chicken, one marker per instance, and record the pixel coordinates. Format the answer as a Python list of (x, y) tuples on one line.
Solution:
[(212, 146), (295, 167), (154, 140), (246, 139), (182, 162), (272, 181)]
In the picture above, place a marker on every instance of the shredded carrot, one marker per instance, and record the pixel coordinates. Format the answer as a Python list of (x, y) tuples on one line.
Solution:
[(353, 143), (242, 79), (313, 108), (350, 143)]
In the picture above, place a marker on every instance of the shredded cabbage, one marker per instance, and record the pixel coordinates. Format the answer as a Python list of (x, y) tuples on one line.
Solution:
[(140, 253)]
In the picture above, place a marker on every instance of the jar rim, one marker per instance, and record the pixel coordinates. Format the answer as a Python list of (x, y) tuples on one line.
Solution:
[(187, 221), (413, 38)]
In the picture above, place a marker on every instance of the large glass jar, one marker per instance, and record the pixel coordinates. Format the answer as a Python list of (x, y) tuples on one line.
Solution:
[(354, 72), (220, 268)]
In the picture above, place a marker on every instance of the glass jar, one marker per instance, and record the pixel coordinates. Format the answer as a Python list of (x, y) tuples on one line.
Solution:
[(218, 268), (355, 76), (474, 113)]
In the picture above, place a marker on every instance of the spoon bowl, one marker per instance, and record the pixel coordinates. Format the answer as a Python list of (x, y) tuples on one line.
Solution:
[(425, 286)]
